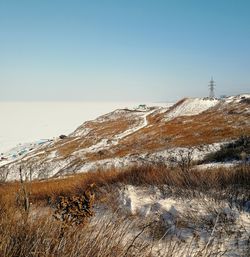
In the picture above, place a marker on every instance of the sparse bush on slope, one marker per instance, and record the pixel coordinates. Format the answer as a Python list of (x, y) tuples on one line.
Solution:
[(232, 151)]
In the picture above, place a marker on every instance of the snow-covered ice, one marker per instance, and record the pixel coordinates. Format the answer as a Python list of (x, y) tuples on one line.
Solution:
[(25, 122)]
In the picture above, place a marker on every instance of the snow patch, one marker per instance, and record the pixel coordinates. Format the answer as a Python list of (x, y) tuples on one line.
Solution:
[(236, 99), (191, 106)]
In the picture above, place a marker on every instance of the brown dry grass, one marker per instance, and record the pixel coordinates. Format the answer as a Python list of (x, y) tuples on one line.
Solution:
[(66, 148), (217, 179), (213, 125), (99, 131), (39, 237), (109, 128), (106, 237)]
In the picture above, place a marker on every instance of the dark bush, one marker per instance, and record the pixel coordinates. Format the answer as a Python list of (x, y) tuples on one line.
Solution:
[(231, 151)]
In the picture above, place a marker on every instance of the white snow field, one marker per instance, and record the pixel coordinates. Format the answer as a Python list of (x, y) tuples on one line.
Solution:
[(196, 213), (25, 122), (192, 106)]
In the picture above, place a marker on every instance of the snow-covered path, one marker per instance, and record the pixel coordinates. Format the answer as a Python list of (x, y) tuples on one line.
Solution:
[(105, 143), (135, 129)]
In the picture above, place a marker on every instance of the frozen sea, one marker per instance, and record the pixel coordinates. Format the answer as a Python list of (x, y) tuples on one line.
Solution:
[(23, 122)]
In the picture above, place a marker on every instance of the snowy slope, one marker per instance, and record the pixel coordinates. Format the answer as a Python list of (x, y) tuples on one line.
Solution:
[(184, 217), (21, 150), (191, 106)]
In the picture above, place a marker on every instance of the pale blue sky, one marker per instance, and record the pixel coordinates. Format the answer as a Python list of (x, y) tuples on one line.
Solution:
[(131, 50)]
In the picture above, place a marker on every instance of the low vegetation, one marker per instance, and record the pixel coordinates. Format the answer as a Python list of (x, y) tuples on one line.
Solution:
[(39, 234), (237, 150), (156, 175)]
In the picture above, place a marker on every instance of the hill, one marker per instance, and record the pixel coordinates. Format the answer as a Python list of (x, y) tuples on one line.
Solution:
[(134, 136)]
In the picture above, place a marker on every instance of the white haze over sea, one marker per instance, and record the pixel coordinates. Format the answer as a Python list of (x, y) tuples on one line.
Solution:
[(23, 122)]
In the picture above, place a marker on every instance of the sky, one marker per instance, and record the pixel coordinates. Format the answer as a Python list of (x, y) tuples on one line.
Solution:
[(114, 50)]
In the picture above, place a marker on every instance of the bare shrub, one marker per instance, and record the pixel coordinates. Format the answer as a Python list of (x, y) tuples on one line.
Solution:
[(74, 210), (183, 159)]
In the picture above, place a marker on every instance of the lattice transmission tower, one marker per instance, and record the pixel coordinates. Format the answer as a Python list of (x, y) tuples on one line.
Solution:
[(211, 88)]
